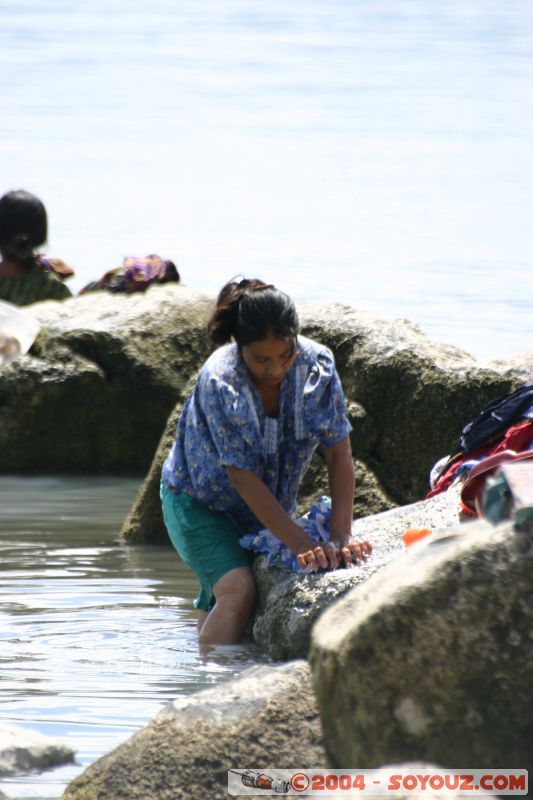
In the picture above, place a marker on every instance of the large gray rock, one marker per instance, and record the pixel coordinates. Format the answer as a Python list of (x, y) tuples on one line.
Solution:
[(432, 658), (289, 603), (408, 396), (101, 380), (24, 751), (264, 718)]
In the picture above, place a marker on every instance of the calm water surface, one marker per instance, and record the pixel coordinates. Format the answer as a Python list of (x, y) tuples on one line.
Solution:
[(372, 152), (94, 637)]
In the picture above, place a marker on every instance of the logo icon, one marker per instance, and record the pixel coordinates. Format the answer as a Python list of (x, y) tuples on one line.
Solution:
[(299, 782)]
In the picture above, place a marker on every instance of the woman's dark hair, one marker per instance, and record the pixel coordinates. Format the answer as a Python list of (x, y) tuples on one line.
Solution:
[(23, 225), (249, 310)]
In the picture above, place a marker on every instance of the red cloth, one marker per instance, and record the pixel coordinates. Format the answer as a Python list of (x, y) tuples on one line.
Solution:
[(518, 438)]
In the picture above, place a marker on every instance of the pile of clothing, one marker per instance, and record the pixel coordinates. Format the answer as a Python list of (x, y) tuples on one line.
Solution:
[(136, 275), (502, 433)]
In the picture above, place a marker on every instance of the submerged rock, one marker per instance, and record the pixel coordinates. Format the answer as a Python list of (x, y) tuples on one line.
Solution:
[(264, 718), (432, 658), (24, 751), (289, 603)]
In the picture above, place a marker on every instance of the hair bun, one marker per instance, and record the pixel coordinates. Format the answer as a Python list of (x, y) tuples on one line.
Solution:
[(247, 310)]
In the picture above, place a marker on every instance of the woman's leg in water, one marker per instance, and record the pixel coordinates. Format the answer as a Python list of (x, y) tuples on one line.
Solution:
[(235, 599)]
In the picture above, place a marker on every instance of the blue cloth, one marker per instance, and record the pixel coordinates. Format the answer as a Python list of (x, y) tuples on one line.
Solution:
[(223, 423), (315, 523)]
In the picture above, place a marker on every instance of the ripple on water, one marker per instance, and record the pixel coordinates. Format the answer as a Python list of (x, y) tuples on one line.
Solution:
[(95, 638)]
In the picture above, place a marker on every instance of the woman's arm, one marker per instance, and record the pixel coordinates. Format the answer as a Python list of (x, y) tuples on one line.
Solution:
[(266, 508), (341, 476)]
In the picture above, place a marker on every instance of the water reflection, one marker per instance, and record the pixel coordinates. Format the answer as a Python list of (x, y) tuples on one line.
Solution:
[(94, 636)]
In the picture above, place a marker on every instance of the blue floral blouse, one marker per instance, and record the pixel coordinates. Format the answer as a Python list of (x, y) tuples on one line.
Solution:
[(223, 423)]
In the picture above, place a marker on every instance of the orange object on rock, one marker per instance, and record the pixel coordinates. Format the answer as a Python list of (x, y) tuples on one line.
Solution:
[(413, 535)]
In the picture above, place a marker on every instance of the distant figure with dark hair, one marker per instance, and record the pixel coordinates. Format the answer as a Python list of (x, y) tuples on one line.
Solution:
[(26, 277), (263, 402)]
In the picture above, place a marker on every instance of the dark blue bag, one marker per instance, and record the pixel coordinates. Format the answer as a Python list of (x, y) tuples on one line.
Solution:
[(494, 420)]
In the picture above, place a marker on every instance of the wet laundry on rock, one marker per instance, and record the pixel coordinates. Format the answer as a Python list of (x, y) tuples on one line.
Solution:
[(502, 430)]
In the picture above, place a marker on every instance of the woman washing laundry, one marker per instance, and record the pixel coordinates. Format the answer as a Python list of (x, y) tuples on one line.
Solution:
[(264, 401)]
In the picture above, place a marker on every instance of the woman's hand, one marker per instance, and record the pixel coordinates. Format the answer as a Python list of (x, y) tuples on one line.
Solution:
[(351, 551), (315, 558), (329, 554)]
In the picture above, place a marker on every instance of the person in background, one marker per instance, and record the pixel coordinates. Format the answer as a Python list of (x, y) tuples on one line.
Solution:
[(261, 406), (27, 277)]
